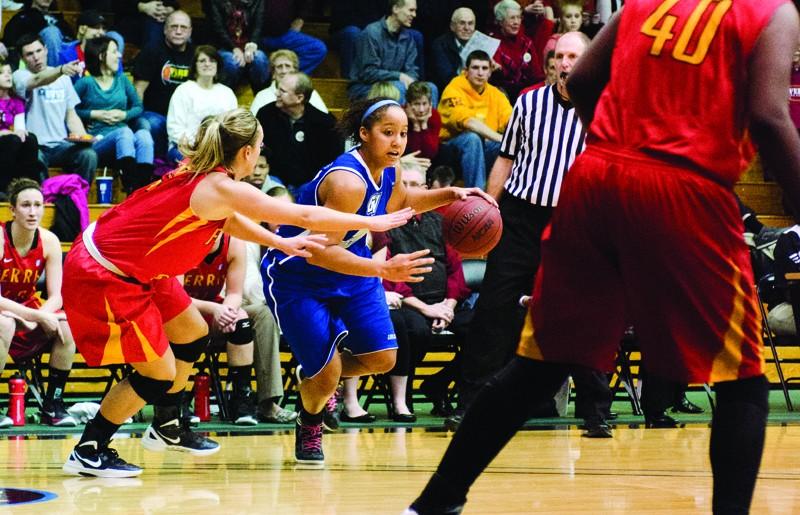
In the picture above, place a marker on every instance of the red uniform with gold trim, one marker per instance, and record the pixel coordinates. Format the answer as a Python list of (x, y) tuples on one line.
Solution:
[(18, 274), (18, 278), (205, 281), (647, 228), (150, 238)]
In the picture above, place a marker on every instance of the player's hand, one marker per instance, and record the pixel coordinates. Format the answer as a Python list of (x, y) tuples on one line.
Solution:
[(225, 316), (406, 268), (51, 323), (393, 299), (385, 222), (462, 193), (302, 245)]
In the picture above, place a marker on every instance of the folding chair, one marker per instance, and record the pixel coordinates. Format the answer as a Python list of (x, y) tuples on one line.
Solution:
[(793, 293)]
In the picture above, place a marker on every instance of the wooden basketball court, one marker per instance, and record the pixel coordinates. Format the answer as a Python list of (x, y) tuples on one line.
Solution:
[(542, 471)]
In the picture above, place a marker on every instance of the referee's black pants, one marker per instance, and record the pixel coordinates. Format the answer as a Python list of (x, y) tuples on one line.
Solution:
[(511, 266)]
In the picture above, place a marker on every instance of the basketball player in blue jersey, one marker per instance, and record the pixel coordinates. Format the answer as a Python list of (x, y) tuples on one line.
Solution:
[(331, 307)]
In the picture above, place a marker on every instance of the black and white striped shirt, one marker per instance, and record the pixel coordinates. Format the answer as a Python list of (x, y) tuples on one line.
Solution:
[(543, 137)]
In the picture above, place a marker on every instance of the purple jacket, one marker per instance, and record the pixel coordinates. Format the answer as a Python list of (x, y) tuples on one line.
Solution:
[(72, 185)]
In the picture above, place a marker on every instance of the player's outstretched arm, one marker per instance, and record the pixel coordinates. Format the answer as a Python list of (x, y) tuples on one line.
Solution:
[(219, 197), (592, 71), (771, 128), (421, 200), (245, 229)]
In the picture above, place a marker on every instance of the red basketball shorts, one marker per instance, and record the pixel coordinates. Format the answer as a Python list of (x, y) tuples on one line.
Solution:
[(115, 319), (636, 241), (26, 344)]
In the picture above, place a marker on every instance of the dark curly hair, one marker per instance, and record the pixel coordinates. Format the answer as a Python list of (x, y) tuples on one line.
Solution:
[(351, 123)]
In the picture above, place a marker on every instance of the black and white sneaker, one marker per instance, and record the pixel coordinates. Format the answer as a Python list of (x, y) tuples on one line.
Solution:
[(175, 435), (87, 459), (243, 408), (55, 414), (5, 421)]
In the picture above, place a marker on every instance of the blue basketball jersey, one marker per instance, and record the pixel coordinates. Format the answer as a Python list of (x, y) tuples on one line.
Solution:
[(374, 203)]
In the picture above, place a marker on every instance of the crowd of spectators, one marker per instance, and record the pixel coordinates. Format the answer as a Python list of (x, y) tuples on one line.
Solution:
[(458, 67)]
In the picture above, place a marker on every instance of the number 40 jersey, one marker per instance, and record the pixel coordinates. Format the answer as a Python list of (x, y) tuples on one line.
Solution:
[(685, 62)]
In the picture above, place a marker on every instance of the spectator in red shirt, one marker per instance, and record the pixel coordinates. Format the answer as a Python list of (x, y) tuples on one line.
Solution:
[(518, 62), (424, 121)]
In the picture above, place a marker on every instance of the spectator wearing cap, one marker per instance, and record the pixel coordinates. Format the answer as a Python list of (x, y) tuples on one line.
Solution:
[(50, 111), (91, 24), (37, 18), (159, 70), (303, 138)]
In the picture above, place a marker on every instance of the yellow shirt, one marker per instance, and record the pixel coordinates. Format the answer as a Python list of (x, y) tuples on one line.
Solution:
[(460, 102)]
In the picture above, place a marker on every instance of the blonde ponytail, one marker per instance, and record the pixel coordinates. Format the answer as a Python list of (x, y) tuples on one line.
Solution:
[(219, 138)]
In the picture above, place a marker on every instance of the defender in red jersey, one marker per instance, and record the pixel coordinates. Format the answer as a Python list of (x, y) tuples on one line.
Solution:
[(28, 252), (224, 267), (161, 231), (647, 229)]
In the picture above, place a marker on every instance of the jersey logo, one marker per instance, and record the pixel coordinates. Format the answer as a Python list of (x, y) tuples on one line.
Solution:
[(372, 205)]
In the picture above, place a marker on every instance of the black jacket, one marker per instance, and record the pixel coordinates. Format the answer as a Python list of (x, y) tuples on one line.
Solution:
[(218, 13), (32, 21), (299, 150), (444, 61)]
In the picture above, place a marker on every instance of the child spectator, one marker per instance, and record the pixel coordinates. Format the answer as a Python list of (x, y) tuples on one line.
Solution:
[(19, 149)]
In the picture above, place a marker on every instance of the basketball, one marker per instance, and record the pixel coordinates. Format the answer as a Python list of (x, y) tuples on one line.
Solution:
[(472, 226)]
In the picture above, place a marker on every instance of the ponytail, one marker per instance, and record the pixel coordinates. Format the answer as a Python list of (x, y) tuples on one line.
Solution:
[(219, 139)]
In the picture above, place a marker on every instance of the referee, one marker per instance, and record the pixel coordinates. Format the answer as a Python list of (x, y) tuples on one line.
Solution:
[(543, 138)]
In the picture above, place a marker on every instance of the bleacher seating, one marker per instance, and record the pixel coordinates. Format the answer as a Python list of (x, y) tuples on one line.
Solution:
[(763, 196)]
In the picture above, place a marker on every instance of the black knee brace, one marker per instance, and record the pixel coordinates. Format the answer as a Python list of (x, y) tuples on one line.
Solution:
[(148, 388), (243, 334), (190, 352)]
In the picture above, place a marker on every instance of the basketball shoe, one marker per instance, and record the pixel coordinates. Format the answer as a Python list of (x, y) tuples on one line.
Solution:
[(54, 413), (5, 421), (175, 435), (308, 444), (242, 409), (89, 459)]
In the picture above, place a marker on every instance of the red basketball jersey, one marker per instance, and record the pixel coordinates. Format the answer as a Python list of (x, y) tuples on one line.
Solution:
[(205, 281), (678, 82), (154, 233), (18, 275)]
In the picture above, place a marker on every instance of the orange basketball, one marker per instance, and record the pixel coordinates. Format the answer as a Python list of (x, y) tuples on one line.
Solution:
[(472, 226)]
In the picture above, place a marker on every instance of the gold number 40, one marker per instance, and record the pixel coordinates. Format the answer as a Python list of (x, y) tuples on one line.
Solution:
[(663, 33)]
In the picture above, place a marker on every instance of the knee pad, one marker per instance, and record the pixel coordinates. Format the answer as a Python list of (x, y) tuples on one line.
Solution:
[(243, 334), (190, 352), (147, 388)]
